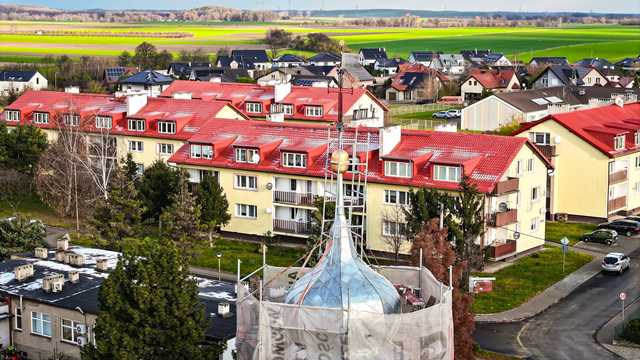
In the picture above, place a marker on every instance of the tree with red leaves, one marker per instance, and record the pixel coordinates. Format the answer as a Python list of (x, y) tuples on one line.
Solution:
[(438, 256)]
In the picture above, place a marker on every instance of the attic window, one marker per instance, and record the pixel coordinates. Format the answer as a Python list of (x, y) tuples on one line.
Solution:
[(447, 173), (636, 138), (167, 127), (201, 151), (618, 142), (313, 111), (253, 107), (245, 155), (136, 124), (71, 119), (12, 115), (296, 160), (397, 169), (103, 122), (286, 109), (40, 118)]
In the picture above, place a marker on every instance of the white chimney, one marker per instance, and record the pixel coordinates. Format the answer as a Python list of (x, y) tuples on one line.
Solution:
[(182, 95), (61, 256), (72, 89), (224, 309), (101, 264), (619, 101), (41, 253), (74, 276), (63, 243), (281, 91), (23, 272), (135, 102), (389, 138), (53, 283), (75, 259)]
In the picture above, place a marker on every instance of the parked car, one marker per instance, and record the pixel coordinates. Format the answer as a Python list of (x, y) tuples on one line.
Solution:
[(603, 236), (455, 113), (616, 262), (626, 227), (633, 218), (440, 115)]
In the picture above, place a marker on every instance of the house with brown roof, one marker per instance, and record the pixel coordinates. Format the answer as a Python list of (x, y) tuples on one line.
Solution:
[(480, 81), (415, 83)]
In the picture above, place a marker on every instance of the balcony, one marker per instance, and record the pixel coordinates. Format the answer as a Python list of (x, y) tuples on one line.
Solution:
[(503, 218), (501, 251), (549, 151), (618, 177), (292, 227), (617, 204), (506, 186), (293, 198)]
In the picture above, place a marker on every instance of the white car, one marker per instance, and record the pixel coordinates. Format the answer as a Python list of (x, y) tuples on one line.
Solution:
[(452, 114), (616, 262)]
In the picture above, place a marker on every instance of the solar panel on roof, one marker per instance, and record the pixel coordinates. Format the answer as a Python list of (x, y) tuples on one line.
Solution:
[(553, 99), (540, 101)]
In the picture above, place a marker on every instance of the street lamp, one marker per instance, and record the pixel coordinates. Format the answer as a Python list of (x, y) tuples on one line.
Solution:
[(219, 256), (86, 325)]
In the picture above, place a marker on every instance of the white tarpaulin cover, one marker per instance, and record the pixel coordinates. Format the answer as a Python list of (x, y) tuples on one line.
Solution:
[(272, 330)]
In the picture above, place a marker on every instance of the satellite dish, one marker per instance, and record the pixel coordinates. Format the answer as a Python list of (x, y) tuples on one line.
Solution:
[(557, 139), (255, 158)]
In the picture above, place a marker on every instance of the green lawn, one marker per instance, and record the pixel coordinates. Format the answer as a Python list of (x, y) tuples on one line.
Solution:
[(526, 278), (557, 230), (31, 206)]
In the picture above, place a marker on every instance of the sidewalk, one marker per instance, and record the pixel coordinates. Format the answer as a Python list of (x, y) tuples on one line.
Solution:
[(212, 274), (549, 296)]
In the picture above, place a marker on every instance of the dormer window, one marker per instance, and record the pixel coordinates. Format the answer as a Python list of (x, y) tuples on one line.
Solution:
[(40, 118), (313, 111), (166, 127), (295, 160), (71, 119), (618, 142), (201, 151), (103, 122), (136, 124), (447, 173), (636, 138), (397, 169), (245, 155), (253, 107), (12, 115), (286, 109)]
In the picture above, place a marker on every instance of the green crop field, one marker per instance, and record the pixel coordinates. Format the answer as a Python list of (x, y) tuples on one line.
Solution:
[(25, 40)]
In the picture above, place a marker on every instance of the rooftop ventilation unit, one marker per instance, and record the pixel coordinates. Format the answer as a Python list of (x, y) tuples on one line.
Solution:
[(23, 272), (53, 283)]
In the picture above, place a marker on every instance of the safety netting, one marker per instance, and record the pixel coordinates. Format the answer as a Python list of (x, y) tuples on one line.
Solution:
[(268, 329)]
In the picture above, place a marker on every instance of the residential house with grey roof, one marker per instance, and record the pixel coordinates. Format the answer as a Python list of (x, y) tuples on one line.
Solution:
[(19, 81)]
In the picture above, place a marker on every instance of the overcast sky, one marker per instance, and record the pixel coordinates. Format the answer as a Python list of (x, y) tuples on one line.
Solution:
[(619, 6)]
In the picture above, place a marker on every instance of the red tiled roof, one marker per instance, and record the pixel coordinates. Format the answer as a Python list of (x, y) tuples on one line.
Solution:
[(485, 158), (492, 79), (599, 126), (239, 94), (189, 115)]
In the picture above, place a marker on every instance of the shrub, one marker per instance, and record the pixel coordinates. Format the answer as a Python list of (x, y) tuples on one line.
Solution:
[(631, 332)]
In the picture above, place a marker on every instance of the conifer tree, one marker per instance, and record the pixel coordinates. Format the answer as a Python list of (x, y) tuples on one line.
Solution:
[(469, 209), (181, 219), (149, 309), (120, 215), (214, 207), (130, 169), (156, 187)]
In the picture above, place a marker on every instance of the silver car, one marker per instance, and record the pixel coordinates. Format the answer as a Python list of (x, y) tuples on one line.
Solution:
[(616, 262)]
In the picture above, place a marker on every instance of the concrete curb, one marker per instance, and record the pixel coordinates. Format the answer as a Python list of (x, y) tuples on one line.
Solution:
[(604, 335)]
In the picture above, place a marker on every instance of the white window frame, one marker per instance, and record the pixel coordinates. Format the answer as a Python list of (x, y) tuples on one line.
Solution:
[(136, 125), (40, 118), (637, 162), (201, 151), (530, 165), (294, 160), (545, 137), (313, 111), (244, 211), (136, 146), (246, 182), (534, 224), (536, 190), (104, 122), (253, 107), (636, 138), (165, 149), (245, 155), (286, 109), (71, 119), (16, 316), (392, 228), (43, 319), (166, 127), (12, 115), (618, 142), (451, 173), (72, 327), (394, 197), (401, 169)]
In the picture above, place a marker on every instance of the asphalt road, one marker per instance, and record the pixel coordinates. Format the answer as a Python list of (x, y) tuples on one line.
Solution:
[(566, 330)]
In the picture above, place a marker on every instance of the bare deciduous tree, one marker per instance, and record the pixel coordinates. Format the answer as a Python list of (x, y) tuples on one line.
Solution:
[(14, 185), (397, 237)]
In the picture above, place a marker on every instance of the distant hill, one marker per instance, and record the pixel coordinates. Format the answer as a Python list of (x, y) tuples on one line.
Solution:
[(383, 13)]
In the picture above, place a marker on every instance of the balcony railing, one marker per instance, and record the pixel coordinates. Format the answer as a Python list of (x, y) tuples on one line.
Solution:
[(617, 204), (292, 227), (506, 186), (499, 219), (292, 197), (549, 151), (501, 251), (618, 177)]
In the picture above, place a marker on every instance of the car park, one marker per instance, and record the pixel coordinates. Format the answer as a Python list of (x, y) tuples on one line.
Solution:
[(625, 227), (603, 236), (616, 262)]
